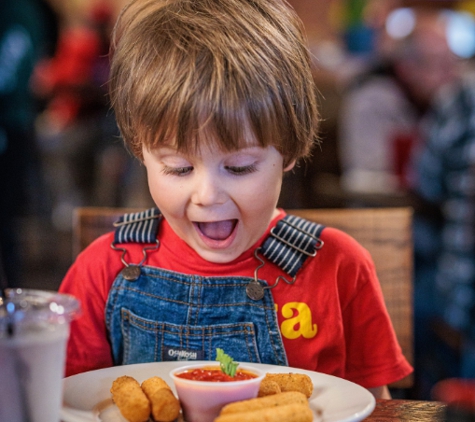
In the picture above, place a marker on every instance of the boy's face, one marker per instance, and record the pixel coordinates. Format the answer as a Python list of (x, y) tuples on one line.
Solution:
[(220, 203)]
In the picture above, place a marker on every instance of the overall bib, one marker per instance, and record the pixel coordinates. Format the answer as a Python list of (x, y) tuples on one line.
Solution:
[(154, 314)]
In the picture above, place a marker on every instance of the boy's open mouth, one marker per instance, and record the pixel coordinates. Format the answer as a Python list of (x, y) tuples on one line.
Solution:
[(217, 230)]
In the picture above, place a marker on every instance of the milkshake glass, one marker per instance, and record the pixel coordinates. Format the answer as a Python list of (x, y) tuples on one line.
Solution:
[(34, 329)]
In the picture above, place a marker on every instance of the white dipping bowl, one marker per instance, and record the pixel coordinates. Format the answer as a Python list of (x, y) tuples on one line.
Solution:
[(201, 401)]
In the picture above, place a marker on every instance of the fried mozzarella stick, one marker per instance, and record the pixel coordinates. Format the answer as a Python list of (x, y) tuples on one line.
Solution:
[(130, 399), (268, 388), (276, 400), (165, 406), (296, 412), (292, 382)]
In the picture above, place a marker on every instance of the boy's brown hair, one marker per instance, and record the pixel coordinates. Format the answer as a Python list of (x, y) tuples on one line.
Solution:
[(187, 71)]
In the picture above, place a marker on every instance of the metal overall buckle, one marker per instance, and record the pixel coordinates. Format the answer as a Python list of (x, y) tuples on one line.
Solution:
[(255, 290), (132, 272)]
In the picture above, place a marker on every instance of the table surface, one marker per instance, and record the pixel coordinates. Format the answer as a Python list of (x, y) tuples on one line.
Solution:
[(407, 410)]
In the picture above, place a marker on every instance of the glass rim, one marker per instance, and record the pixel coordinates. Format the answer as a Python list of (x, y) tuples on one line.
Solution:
[(19, 302)]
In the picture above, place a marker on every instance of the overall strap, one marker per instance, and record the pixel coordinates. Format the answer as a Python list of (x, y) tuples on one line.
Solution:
[(291, 242), (139, 227)]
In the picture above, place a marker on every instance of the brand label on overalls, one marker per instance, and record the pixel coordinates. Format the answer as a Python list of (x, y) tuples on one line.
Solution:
[(170, 353)]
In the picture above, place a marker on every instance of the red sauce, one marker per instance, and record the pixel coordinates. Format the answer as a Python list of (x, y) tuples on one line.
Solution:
[(215, 375)]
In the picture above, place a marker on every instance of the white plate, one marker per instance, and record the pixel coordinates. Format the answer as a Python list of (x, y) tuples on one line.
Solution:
[(87, 396)]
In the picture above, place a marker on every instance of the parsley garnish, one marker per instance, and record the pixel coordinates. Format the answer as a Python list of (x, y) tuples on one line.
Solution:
[(228, 366)]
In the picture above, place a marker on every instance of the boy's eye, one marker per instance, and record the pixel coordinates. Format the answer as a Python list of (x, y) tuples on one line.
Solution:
[(241, 170), (177, 171)]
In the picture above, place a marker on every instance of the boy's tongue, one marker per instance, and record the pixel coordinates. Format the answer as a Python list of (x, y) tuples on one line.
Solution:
[(217, 230)]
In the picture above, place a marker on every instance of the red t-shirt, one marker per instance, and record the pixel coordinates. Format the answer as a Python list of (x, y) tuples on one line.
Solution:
[(332, 319)]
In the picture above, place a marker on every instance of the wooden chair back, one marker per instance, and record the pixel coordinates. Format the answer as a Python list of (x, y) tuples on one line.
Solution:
[(385, 232)]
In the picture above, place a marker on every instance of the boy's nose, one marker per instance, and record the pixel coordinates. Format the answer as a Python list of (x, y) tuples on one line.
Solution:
[(208, 191)]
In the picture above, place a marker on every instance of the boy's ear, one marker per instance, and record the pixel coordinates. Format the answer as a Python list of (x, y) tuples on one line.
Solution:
[(290, 166)]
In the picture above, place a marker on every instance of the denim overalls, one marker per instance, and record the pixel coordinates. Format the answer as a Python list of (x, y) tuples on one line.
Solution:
[(154, 314)]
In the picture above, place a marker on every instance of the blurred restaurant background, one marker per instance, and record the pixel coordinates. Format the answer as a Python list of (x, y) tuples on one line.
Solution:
[(397, 98)]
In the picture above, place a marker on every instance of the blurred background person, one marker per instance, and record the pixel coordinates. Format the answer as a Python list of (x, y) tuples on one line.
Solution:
[(406, 130), (443, 185), (382, 106), (84, 161), (25, 37), (75, 120)]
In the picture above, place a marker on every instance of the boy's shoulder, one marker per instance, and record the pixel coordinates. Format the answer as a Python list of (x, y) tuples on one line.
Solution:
[(294, 241), (343, 245), (104, 248), (333, 244), (98, 247), (327, 234)]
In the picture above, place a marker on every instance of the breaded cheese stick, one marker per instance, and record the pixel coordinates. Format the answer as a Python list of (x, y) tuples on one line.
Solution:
[(292, 382), (165, 406), (130, 399), (267, 388), (288, 413), (280, 399)]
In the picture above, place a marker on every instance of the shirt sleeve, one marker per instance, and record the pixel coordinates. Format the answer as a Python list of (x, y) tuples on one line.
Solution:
[(89, 280), (374, 356)]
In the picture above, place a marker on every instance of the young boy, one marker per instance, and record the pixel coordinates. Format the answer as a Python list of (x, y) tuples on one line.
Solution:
[(217, 99)]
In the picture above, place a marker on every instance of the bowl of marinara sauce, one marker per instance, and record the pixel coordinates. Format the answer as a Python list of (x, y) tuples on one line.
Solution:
[(204, 389)]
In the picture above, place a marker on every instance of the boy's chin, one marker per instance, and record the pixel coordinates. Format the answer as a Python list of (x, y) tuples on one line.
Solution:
[(219, 257)]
